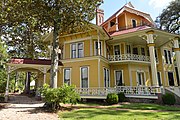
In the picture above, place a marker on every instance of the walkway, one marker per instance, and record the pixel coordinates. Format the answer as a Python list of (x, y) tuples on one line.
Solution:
[(21, 107)]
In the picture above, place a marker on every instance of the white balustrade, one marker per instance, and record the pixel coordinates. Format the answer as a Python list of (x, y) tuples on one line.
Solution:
[(132, 57), (128, 90)]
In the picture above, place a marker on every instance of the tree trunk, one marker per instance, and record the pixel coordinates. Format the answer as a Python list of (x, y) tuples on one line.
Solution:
[(27, 84), (54, 57)]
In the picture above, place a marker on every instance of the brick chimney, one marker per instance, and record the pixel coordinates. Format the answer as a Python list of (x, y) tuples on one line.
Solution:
[(99, 16)]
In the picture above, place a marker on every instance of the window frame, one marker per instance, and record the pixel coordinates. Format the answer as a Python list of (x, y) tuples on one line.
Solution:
[(119, 49), (81, 76), (105, 77), (96, 50), (115, 77), (69, 75), (142, 81), (76, 50)]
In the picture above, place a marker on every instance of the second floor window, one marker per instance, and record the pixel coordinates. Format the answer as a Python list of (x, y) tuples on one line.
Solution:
[(96, 48), (77, 50), (128, 49), (167, 55)]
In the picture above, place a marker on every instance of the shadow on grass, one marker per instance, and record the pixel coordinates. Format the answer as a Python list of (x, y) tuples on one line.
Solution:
[(141, 106), (92, 113)]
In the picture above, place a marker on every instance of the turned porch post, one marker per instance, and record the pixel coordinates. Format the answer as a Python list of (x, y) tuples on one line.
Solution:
[(151, 44), (7, 84), (177, 53), (44, 72)]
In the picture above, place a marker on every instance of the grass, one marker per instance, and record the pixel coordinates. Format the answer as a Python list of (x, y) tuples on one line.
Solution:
[(132, 111)]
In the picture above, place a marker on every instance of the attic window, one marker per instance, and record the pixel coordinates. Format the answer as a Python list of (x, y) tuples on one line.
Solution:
[(112, 23), (133, 23)]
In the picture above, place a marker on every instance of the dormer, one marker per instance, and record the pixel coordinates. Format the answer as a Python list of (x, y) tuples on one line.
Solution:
[(127, 17)]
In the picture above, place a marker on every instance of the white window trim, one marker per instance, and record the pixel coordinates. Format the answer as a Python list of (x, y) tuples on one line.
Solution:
[(140, 71), (70, 74), (115, 76), (166, 49), (108, 76), (119, 48), (76, 50), (80, 75), (141, 50), (100, 49)]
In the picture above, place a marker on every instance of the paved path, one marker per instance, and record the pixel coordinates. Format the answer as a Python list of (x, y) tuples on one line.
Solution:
[(24, 108)]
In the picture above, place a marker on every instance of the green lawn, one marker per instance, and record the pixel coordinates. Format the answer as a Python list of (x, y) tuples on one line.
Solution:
[(124, 112)]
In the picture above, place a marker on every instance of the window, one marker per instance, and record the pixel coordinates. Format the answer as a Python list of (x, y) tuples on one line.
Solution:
[(142, 51), (67, 74), (106, 78), (177, 76), (77, 50), (96, 48), (116, 50), (140, 78), (128, 49), (159, 78), (84, 77), (133, 23), (171, 78), (167, 55), (80, 50), (73, 51), (119, 77), (135, 51), (112, 23)]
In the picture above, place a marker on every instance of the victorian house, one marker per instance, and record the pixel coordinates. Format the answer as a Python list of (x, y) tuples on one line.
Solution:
[(125, 53)]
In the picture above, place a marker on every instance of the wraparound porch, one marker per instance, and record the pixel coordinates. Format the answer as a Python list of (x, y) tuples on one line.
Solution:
[(129, 91)]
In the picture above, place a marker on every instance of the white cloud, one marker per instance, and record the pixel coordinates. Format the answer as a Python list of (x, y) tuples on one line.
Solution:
[(159, 4)]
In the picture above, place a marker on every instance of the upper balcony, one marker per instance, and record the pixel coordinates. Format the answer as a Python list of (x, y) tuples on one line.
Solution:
[(129, 58)]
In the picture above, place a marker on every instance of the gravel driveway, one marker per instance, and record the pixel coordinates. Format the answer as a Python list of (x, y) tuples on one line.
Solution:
[(24, 108)]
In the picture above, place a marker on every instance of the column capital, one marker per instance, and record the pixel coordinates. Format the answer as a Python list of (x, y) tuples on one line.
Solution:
[(150, 32), (151, 44), (176, 38), (176, 49)]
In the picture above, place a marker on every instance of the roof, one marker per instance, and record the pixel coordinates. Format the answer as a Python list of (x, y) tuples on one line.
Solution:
[(129, 30), (130, 8), (32, 61)]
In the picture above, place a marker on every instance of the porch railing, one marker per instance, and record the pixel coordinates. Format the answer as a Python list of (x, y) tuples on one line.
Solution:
[(132, 57), (128, 90)]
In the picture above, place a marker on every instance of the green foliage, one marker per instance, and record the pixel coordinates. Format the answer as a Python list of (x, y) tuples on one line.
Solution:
[(112, 98), (55, 96), (3, 79), (169, 18), (169, 99), (121, 97), (2, 98)]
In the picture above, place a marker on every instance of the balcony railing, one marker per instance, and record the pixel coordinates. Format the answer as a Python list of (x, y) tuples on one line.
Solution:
[(128, 90), (129, 57)]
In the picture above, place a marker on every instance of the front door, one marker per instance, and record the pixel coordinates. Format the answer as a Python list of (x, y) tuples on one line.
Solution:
[(171, 78), (118, 78)]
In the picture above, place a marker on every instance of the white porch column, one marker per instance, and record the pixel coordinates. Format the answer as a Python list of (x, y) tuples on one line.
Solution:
[(177, 53), (7, 84), (99, 50), (117, 24), (150, 42), (44, 72)]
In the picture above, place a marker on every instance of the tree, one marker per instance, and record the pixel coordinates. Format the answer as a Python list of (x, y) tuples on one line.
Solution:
[(169, 19), (61, 16)]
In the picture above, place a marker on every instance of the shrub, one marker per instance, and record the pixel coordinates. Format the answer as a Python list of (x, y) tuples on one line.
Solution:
[(121, 97), (168, 99), (112, 98), (2, 98), (54, 96)]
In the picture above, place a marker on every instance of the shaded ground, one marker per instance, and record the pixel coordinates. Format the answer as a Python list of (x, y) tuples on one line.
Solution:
[(21, 107)]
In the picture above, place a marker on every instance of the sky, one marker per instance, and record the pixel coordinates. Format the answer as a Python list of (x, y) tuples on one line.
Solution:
[(152, 7)]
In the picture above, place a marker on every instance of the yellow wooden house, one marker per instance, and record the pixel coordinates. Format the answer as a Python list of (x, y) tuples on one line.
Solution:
[(126, 53)]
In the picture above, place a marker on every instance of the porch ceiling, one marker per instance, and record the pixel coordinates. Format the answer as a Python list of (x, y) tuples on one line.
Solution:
[(135, 38)]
